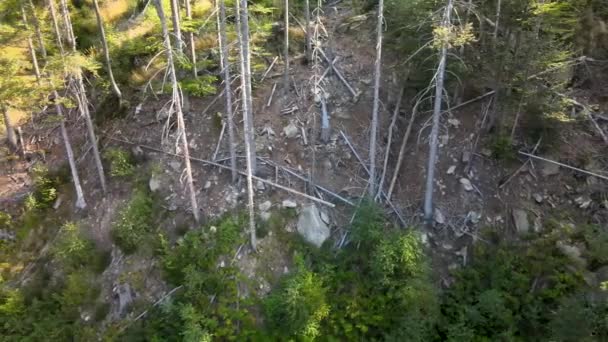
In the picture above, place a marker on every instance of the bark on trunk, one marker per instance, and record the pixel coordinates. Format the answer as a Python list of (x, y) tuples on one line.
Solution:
[(177, 100), (227, 89), (243, 27), (30, 45), (307, 26), (10, 130), (39, 36), (177, 30), (439, 88), (83, 102), (106, 50), (387, 153), (374, 127), (191, 40), (80, 201), (65, 13), (286, 50)]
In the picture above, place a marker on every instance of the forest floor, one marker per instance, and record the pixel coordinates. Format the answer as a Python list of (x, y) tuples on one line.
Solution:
[(533, 197)]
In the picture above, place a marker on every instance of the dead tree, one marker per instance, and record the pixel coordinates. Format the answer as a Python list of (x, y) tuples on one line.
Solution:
[(106, 50), (191, 40), (307, 27), (177, 102), (286, 50), (374, 127), (433, 145), (10, 130), (177, 30), (81, 97), (39, 36), (65, 14), (80, 201), (30, 45), (227, 89), (246, 102)]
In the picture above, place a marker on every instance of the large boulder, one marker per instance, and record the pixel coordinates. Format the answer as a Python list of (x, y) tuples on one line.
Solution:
[(311, 226), (520, 218)]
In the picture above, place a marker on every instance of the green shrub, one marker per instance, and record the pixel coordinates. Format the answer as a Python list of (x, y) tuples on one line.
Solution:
[(502, 149), (201, 86), (121, 163), (298, 306), (71, 249), (133, 222), (45, 192), (597, 243)]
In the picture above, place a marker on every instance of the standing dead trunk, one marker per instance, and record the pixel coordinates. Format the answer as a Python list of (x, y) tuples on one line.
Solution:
[(387, 153), (39, 37), (106, 51), (439, 89), (30, 45), (497, 22), (177, 101), (177, 30), (191, 40), (10, 130), (65, 14), (286, 50), (80, 201), (374, 128), (243, 28), (307, 27), (227, 89), (82, 99)]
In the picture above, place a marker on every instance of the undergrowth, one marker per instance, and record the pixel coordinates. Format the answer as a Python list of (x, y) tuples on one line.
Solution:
[(134, 221)]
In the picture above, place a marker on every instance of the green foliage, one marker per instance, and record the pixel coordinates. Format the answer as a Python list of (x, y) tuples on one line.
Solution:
[(596, 238), (580, 319), (121, 164), (74, 252), (507, 292), (502, 148), (202, 86), (133, 221), (45, 189), (297, 307)]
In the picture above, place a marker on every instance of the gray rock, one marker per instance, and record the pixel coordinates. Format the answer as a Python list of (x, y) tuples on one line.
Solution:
[(438, 216), (291, 130), (573, 253), (520, 218), (154, 183), (58, 202), (486, 152), (265, 216), (124, 294), (259, 185), (538, 198), (311, 227), (207, 185), (265, 206), (466, 184), (451, 170), (466, 157), (548, 169), (289, 204), (176, 166), (474, 217)]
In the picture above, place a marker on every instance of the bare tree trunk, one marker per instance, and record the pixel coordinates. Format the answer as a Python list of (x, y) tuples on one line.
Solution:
[(82, 99), (30, 45), (106, 51), (439, 88), (286, 50), (406, 136), (38, 31), (10, 130), (307, 26), (227, 89), (374, 128), (391, 128), (191, 40), (67, 23), (80, 201), (497, 22), (177, 100), (243, 28), (177, 30)]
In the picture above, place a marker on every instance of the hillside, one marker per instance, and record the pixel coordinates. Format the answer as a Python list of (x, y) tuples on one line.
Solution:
[(138, 202)]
